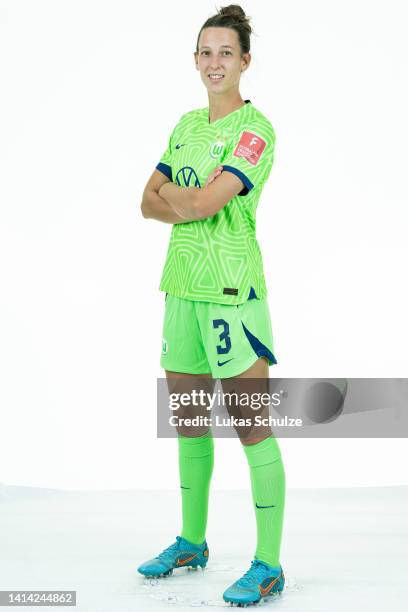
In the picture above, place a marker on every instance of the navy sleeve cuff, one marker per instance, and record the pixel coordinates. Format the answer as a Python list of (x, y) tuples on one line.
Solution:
[(165, 169), (244, 179)]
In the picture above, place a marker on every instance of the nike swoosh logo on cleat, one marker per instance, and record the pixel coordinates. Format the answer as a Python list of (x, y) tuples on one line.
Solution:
[(257, 505), (221, 363), (186, 560), (266, 590)]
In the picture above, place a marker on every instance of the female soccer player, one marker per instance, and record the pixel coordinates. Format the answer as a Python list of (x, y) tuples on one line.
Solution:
[(208, 184)]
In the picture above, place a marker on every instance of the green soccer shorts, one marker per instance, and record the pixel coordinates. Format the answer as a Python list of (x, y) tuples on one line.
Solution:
[(221, 340)]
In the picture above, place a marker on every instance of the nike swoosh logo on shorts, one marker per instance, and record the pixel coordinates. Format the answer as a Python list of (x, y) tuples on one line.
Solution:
[(178, 146), (221, 363)]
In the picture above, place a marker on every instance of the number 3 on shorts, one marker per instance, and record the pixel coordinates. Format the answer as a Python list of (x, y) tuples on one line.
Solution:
[(224, 336)]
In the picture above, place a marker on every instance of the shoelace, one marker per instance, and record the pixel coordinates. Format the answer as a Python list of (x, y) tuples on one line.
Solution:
[(254, 575), (169, 551)]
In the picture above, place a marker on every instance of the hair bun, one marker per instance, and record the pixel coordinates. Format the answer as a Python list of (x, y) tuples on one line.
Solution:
[(233, 17), (233, 10)]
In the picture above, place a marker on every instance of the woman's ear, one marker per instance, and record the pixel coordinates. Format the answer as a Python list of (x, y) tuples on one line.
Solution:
[(245, 61)]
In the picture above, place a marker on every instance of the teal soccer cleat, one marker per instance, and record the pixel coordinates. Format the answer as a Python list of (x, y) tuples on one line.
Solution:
[(180, 554), (261, 580)]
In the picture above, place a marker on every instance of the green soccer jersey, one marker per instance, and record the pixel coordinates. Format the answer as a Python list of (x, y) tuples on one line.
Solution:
[(218, 259)]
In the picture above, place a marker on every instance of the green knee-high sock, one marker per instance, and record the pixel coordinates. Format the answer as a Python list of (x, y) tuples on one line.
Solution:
[(196, 461), (268, 493)]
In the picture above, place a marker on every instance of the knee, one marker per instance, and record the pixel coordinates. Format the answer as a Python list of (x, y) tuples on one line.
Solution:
[(251, 440)]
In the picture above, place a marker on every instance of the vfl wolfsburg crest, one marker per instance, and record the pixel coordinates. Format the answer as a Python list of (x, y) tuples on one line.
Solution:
[(165, 346), (222, 137), (216, 149)]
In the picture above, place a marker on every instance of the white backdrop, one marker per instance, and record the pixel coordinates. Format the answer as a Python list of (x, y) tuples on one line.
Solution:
[(90, 93)]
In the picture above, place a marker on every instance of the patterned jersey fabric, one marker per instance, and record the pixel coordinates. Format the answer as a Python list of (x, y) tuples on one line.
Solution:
[(218, 259)]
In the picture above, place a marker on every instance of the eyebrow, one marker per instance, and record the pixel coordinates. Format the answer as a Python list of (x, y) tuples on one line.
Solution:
[(225, 46)]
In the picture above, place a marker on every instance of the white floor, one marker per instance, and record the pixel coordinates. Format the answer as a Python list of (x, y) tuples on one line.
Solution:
[(343, 549)]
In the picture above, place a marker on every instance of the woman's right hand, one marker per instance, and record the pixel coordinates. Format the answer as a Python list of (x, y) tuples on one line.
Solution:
[(213, 175)]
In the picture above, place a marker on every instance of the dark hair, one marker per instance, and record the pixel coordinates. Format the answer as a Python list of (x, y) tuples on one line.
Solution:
[(233, 17)]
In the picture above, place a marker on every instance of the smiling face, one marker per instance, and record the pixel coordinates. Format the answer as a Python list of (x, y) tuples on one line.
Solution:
[(219, 59)]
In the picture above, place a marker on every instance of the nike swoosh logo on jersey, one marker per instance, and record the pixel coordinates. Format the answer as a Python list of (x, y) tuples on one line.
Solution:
[(178, 146), (221, 363), (258, 506)]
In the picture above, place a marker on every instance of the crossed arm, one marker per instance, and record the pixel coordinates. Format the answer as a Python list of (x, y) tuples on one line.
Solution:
[(165, 201)]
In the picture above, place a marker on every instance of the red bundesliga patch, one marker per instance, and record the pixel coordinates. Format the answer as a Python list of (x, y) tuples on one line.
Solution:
[(251, 147)]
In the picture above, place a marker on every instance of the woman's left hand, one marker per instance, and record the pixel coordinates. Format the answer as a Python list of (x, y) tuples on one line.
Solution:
[(213, 175)]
